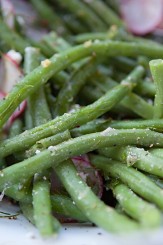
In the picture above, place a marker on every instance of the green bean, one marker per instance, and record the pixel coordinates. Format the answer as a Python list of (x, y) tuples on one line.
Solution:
[(136, 157), (156, 67), (156, 180), (27, 209), (146, 88), (147, 214), (22, 171), (18, 191), (74, 24), (46, 12), (157, 152), (42, 144), (65, 206), (2, 163), (105, 13), (11, 38), (15, 41), (94, 209), (91, 127), (62, 205), (138, 105), (37, 102), (60, 79), (16, 128), (114, 4), (31, 59), (114, 33), (81, 38), (154, 124), (46, 50), (73, 86), (60, 61), (55, 42), (132, 101), (89, 94), (84, 13), (28, 119), (102, 83), (135, 180), (71, 120), (41, 187), (124, 64), (40, 107), (42, 208), (46, 142)]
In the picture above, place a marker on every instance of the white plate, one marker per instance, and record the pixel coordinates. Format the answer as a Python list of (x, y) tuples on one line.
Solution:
[(21, 232)]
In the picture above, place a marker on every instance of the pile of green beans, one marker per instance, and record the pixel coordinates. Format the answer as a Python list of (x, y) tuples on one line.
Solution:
[(91, 88)]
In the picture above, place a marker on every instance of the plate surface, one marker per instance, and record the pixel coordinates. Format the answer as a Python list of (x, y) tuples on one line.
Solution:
[(21, 232)]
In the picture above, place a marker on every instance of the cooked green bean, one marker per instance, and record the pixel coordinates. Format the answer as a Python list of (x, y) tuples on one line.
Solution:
[(37, 99), (42, 213), (156, 67), (65, 206), (84, 13), (94, 209), (147, 214), (92, 115), (60, 61), (54, 155), (132, 101), (105, 13), (47, 14), (62, 205), (136, 180), (71, 120), (91, 127), (136, 157), (154, 124), (16, 128), (43, 218), (46, 142), (73, 86)]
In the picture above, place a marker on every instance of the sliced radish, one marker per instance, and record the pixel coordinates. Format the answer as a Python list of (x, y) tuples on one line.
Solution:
[(11, 73), (18, 112), (159, 30), (142, 16), (8, 12), (89, 174)]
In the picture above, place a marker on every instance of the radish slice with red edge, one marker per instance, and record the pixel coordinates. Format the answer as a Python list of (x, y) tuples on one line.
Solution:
[(11, 74), (89, 174), (11, 71), (142, 16)]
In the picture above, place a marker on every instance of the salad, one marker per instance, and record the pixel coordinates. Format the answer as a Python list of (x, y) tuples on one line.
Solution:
[(81, 112)]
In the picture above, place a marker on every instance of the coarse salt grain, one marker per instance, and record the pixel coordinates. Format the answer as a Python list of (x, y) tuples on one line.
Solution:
[(107, 131), (37, 152), (46, 63), (52, 149), (87, 44)]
